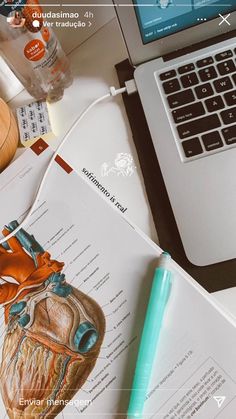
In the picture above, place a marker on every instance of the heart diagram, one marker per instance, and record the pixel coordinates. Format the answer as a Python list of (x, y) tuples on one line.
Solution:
[(53, 331)]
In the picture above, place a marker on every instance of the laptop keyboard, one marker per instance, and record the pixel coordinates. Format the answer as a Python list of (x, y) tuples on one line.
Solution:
[(201, 96)]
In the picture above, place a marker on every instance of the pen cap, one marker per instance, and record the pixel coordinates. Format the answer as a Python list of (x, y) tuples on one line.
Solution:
[(164, 260)]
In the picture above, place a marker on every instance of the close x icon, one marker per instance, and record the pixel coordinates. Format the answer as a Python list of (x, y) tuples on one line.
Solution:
[(225, 19)]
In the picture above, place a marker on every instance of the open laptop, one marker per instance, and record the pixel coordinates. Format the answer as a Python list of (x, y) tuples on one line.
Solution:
[(185, 57)]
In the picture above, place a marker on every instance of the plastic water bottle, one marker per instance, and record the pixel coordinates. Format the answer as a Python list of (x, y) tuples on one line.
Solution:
[(32, 50)]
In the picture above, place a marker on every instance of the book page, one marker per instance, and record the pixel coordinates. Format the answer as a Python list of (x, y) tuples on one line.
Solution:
[(76, 306)]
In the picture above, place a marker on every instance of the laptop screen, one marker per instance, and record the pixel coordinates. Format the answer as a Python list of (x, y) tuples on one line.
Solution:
[(160, 18)]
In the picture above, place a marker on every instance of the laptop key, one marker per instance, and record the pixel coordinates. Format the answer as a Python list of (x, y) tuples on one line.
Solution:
[(223, 84), (204, 62), (224, 55), (167, 75), (212, 141), (186, 68), (188, 112), (198, 126), (226, 67), (208, 73), (204, 90), (214, 103), (189, 80), (234, 78), (192, 147), (181, 98), (230, 98), (171, 86), (229, 116), (229, 134)]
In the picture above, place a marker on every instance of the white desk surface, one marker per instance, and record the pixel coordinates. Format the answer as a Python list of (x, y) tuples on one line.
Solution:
[(105, 131)]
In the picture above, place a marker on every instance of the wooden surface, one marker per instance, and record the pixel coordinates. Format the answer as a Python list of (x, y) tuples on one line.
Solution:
[(214, 277), (5, 120), (8, 135)]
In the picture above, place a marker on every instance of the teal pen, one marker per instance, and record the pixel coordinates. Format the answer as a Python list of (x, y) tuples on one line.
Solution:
[(160, 292)]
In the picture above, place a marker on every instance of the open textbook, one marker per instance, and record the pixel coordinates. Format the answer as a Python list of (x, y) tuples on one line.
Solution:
[(75, 286)]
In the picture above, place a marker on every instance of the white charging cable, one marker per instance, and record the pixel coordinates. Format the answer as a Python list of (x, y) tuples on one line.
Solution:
[(113, 92)]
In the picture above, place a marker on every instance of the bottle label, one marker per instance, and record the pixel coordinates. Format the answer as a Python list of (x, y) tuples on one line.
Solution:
[(8, 6), (34, 50), (42, 52)]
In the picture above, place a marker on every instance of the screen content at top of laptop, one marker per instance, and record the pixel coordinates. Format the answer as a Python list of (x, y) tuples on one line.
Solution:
[(160, 18)]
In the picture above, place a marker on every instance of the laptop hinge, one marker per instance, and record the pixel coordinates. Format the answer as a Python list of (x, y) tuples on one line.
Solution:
[(199, 45)]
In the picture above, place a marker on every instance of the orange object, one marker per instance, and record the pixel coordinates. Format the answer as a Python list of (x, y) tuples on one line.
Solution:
[(46, 35), (54, 331), (34, 50), (32, 7), (19, 265)]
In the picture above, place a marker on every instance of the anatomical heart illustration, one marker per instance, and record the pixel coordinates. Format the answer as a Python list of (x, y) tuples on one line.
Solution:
[(53, 331)]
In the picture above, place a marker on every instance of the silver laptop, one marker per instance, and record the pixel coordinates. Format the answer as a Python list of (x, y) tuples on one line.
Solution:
[(185, 57)]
